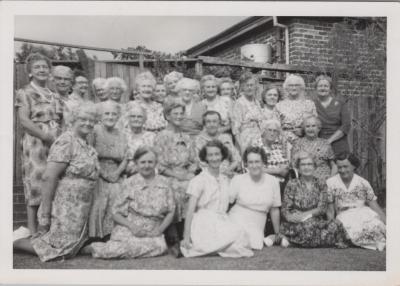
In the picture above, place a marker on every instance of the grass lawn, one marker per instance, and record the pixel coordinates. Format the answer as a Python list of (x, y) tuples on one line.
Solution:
[(274, 258)]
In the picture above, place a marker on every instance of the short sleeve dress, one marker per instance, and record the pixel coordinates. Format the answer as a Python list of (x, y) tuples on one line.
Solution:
[(45, 111), (211, 230), (253, 202), (145, 206), (362, 224), (72, 199), (316, 231)]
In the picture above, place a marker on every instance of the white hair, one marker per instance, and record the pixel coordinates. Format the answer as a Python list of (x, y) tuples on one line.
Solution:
[(132, 106), (294, 79), (61, 68), (99, 81), (145, 76), (115, 80), (87, 107), (101, 106), (184, 82), (173, 75)]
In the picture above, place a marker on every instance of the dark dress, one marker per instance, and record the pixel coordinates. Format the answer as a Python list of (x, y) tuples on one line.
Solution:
[(335, 117), (315, 231)]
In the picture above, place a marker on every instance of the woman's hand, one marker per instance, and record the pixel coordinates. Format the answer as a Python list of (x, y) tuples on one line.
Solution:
[(155, 232), (113, 177), (298, 217), (42, 229), (186, 243), (48, 139), (137, 233)]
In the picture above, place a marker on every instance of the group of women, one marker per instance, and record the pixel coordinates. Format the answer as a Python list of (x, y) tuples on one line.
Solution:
[(193, 167)]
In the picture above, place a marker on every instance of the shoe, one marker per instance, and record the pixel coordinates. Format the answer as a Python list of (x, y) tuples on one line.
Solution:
[(269, 240), (175, 250), (21, 232), (381, 246), (284, 242)]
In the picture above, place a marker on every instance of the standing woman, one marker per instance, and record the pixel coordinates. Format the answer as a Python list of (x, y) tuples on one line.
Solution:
[(295, 107), (208, 229), (170, 81), (177, 161), (334, 116), (353, 200), (213, 101), (69, 182), (270, 96), (98, 88), (255, 194), (111, 146), (39, 112), (247, 114), (146, 83), (227, 88), (135, 134)]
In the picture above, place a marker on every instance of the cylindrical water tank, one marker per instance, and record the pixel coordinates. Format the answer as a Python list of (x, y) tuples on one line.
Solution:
[(260, 53)]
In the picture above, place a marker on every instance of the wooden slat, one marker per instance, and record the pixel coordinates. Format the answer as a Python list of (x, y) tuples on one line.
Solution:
[(261, 66)]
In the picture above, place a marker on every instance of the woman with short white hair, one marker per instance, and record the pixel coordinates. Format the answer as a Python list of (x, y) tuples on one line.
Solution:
[(145, 84), (170, 81), (115, 87), (294, 107), (213, 101), (98, 87), (193, 120)]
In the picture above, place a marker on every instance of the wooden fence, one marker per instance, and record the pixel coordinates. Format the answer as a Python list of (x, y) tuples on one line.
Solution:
[(370, 147)]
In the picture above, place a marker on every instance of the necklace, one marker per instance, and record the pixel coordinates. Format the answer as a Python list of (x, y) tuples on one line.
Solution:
[(43, 91)]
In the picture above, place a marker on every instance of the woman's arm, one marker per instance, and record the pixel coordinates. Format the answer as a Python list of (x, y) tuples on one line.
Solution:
[(330, 211), (275, 218), (186, 243), (374, 205), (121, 220), (31, 128), (335, 136), (333, 167), (281, 171), (51, 176)]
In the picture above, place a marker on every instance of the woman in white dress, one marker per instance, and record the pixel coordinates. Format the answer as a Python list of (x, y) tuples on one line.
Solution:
[(354, 201), (256, 193), (208, 229)]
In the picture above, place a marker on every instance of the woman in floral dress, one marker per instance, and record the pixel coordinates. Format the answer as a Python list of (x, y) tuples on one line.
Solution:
[(40, 113), (111, 146), (135, 134), (70, 180), (177, 161), (213, 101), (270, 96), (208, 229), (146, 83), (143, 210), (319, 147), (304, 208), (353, 200), (294, 107), (247, 114)]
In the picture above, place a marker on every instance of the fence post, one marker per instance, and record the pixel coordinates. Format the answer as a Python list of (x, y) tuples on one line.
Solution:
[(88, 67), (199, 68), (141, 62)]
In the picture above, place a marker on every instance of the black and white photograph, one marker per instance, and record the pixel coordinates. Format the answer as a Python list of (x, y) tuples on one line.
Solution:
[(253, 142)]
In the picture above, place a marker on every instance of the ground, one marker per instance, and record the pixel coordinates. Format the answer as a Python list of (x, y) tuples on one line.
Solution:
[(274, 258)]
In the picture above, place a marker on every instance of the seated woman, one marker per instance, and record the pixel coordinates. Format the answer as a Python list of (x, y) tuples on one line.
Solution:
[(353, 200), (255, 193), (111, 146), (143, 210), (69, 182), (208, 230), (135, 134), (304, 207), (319, 147)]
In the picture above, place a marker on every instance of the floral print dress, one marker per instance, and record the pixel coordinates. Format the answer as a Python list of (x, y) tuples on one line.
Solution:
[(176, 152), (111, 149), (145, 206), (155, 121), (72, 200), (222, 105), (316, 231), (293, 113), (322, 152), (45, 111), (362, 224), (247, 119)]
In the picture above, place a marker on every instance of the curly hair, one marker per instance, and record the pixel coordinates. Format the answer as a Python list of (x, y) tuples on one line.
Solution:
[(294, 79), (184, 82), (145, 76), (143, 150), (323, 77), (210, 112), (133, 105), (101, 106), (246, 76), (87, 107), (171, 106), (173, 75), (34, 57), (115, 81), (302, 155), (353, 159), (217, 144), (268, 88), (255, 150)]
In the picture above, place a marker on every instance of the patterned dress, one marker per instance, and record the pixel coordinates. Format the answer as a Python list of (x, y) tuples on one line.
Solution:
[(176, 152), (247, 121), (146, 138), (293, 113), (322, 152), (145, 206), (45, 112), (269, 114), (316, 231), (223, 105), (111, 149), (362, 224), (211, 230), (72, 200), (155, 121)]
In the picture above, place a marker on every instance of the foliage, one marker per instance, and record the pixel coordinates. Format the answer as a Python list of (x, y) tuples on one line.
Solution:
[(353, 42), (53, 53)]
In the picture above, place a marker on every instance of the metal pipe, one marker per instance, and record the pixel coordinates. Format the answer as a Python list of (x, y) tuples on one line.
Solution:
[(276, 24), (134, 52)]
